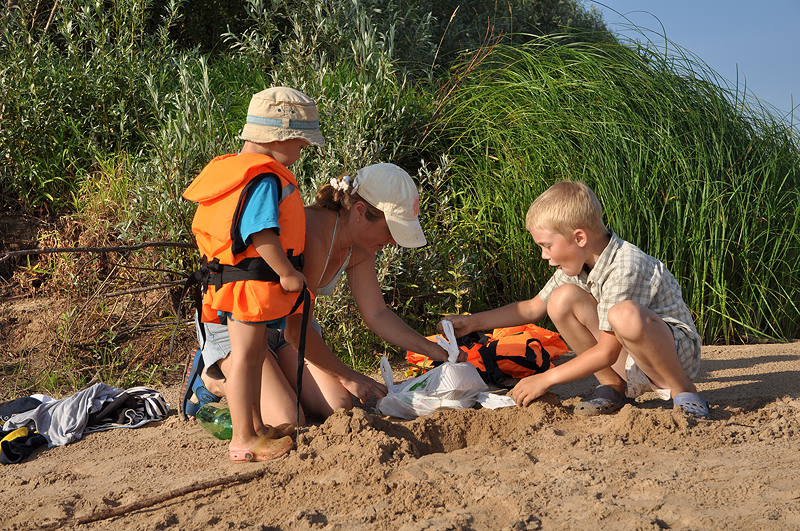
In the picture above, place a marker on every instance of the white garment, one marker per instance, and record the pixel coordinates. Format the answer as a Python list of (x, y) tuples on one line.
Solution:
[(328, 288)]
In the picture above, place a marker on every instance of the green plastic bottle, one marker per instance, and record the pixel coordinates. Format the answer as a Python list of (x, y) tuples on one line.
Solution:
[(216, 421)]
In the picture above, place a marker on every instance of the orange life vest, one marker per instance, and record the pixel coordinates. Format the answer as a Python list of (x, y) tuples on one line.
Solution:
[(506, 355), (220, 190)]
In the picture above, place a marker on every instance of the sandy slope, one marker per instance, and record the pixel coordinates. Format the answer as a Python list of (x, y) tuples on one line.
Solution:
[(646, 467)]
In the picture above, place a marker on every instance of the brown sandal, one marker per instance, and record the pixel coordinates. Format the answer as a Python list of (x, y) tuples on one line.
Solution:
[(279, 431), (264, 450), (285, 430)]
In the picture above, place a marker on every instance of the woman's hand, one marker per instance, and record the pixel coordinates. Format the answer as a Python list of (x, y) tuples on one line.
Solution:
[(362, 386)]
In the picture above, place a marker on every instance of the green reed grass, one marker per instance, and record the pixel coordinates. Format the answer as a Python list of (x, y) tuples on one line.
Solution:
[(685, 168)]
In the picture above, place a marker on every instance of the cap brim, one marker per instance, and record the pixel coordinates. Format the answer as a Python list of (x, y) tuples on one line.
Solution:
[(263, 135), (406, 232)]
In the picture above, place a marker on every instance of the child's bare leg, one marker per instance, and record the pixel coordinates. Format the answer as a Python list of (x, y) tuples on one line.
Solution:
[(276, 394), (649, 341), (244, 380), (574, 313)]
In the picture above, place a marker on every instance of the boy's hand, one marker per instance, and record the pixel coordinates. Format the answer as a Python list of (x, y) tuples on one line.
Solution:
[(293, 282), (462, 325), (529, 389)]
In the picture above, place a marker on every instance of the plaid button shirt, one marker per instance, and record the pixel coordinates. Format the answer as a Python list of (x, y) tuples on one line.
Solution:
[(625, 272)]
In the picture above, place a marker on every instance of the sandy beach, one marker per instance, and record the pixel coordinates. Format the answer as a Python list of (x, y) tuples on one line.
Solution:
[(647, 467)]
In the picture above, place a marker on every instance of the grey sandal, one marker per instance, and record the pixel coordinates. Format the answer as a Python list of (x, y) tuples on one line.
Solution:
[(693, 404), (605, 400)]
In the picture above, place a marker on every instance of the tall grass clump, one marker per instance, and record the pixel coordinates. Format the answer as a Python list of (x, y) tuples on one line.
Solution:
[(685, 166)]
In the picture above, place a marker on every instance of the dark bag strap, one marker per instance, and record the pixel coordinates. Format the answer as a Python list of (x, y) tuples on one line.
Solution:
[(497, 377), (305, 298)]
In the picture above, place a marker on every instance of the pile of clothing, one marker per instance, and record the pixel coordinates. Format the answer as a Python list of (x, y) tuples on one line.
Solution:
[(29, 422)]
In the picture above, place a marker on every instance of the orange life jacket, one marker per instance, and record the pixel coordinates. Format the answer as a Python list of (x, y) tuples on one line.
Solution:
[(506, 355), (220, 190)]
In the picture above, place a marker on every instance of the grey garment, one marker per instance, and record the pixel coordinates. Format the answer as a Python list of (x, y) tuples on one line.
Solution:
[(217, 345), (328, 288), (63, 421)]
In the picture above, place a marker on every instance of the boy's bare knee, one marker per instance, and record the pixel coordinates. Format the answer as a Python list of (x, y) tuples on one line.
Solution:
[(627, 319), (566, 299)]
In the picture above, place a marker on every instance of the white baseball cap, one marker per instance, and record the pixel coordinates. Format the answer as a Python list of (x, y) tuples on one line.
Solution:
[(392, 191)]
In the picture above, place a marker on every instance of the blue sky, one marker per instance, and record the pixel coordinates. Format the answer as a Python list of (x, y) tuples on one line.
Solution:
[(761, 38)]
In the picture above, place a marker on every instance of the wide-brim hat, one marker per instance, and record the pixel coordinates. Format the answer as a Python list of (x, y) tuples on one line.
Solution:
[(281, 113), (392, 191)]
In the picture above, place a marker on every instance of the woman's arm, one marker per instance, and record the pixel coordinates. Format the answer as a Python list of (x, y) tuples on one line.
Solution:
[(318, 353), (380, 319)]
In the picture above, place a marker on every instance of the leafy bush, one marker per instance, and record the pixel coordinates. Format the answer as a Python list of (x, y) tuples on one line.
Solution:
[(73, 90)]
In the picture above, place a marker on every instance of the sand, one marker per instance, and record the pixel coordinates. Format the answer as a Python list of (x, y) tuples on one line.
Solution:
[(647, 467)]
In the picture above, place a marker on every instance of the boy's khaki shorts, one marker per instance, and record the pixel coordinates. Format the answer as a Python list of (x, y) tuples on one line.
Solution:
[(688, 349)]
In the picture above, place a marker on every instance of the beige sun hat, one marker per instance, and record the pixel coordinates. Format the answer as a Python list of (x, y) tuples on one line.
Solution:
[(281, 113), (392, 191)]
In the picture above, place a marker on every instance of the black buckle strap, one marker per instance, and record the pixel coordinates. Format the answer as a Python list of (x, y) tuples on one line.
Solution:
[(255, 268), (213, 272), (496, 376), (305, 298)]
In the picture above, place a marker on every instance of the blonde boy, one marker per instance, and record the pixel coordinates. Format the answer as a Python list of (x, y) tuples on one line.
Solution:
[(617, 308)]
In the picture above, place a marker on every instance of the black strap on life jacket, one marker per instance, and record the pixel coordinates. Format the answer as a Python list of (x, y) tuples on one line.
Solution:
[(497, 377), (216, 274), (301, 351)]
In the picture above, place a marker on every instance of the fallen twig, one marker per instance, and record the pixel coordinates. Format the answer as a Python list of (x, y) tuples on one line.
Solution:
[(154, 500), (183, 245)]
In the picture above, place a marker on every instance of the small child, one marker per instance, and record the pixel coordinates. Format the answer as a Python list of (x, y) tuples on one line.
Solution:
[(618, 308), (250, 231)]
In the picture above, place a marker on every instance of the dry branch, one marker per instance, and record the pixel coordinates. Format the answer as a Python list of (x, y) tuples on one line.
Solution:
[(183, 245), (154, 500), (143, 288)]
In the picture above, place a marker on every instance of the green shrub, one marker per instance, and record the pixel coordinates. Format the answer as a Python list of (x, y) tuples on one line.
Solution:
[(73, 90)]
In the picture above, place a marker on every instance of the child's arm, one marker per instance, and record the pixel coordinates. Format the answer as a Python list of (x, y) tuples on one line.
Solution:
[(600, 356), (269, 248), (514, 314)]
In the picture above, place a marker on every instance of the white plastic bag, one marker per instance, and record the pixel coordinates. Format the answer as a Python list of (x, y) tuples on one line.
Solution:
[(493, 401), (451, 385)]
